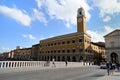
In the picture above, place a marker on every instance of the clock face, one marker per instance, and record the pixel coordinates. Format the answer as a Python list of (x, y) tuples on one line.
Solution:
[(80, 19)]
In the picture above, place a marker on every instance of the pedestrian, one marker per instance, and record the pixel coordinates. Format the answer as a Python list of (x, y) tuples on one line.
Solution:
[(48, 62), (111, 68), (108, 68), (113, 65), (117, 65), (53, 62), (66, 62)]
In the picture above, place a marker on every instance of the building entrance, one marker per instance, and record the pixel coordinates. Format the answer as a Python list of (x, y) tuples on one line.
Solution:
[(114, 57)]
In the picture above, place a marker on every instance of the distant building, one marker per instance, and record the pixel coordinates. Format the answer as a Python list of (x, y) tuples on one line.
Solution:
[(12, 54), (22, 54), (98, 51), (112, 44), (5, 55), (35, 51)]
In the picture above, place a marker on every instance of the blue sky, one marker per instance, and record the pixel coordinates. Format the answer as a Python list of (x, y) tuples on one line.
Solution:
[(26, 22)]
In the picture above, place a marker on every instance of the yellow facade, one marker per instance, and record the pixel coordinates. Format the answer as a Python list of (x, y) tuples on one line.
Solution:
[(69, 46), (98, 51)]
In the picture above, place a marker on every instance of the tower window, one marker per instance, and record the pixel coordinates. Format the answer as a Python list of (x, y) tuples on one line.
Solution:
[(80, 13), (73, 41), (73, 50), (68, 51), (63, 42), (54, 43), (63, 51), (58, 51), (54, 51), (48, 44), (51, 44), (68, 42), (80, 50), (80, 40), (58, 43), (48, 51)]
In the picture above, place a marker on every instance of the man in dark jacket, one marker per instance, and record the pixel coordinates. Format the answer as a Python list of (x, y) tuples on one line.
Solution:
[(108, 68)]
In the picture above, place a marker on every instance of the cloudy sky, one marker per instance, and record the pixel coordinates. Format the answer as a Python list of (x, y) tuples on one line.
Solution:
[(26, 22)]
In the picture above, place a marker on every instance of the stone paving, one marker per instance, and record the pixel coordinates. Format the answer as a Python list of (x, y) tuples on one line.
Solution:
[(57, 65), (114, 76)]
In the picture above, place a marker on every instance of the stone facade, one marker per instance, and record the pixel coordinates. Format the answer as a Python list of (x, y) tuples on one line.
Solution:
[(34, 52), (112, 43)]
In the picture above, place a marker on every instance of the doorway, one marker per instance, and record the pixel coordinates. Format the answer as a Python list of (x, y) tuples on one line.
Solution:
[(114, 57)]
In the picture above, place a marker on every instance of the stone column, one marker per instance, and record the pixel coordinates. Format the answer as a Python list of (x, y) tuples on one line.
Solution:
[(13, 64), (5, 64), (1, 66), (23, 64), (30, 63), (8, 64)]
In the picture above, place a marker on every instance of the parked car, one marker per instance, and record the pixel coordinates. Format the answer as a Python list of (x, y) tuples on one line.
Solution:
[(103, 65)]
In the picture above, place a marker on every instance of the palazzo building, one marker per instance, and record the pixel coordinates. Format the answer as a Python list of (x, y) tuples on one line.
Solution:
[(112, 44), (72, 47)]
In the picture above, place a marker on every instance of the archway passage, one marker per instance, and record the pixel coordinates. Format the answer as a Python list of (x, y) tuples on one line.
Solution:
[(63, 58), (114, 57), (68, 58), (58, 58), (80, 58), (74, 59)]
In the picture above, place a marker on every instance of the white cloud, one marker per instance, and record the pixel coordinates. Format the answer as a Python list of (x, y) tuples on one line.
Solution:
[(107, 7), (95, 36), (4, 49), (98, 36), (65, 10), (108, 29), (39, 3), (29, 36), (106, 19), (37, 15), (16, 14)]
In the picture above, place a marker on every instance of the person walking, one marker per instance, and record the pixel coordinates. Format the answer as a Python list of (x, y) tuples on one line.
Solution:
[(53, 62), (117, 65), (111, 68), (66, 62), (108, 68), (113, 65)]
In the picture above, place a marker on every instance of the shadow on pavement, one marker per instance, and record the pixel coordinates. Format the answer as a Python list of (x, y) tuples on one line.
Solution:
[(98, 75)]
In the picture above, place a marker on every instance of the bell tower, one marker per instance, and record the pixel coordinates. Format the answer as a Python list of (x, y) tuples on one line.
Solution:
[(81, 20)]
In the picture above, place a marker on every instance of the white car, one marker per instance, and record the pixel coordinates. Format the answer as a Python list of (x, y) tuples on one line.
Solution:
[(103, 65)]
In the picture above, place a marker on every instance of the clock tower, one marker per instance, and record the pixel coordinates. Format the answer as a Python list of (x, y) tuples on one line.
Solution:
[(81, 20)]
